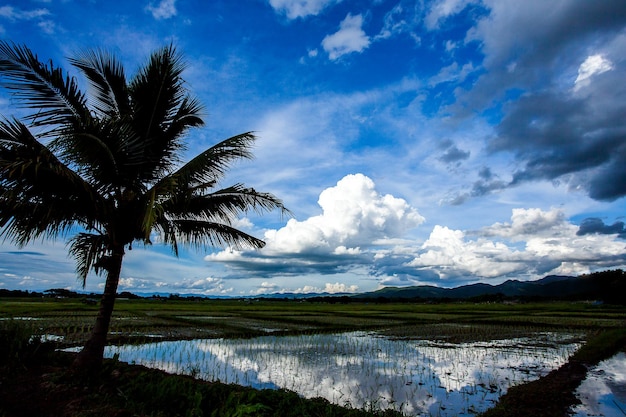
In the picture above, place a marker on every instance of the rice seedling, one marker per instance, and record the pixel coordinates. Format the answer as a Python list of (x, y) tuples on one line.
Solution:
[(361, 369)]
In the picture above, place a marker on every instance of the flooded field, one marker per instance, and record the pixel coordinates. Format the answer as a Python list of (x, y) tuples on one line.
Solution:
[(366, 370), (448, 359)]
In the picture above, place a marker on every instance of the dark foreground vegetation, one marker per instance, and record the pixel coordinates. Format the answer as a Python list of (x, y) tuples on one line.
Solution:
[(40, 385), (36, 379)]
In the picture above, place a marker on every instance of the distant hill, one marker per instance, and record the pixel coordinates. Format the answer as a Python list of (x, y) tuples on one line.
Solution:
[(608, 286)]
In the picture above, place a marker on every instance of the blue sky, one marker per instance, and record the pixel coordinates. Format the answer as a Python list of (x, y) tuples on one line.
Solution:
[(439, 142)]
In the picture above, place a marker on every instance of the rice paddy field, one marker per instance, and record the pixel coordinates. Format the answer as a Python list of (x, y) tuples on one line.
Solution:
[(416, 359)]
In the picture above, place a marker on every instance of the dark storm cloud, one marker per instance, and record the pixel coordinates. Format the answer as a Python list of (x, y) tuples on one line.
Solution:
[(580, 141), (453, 154), (258, 265), (526, 47), (594, 225), (574, 134)]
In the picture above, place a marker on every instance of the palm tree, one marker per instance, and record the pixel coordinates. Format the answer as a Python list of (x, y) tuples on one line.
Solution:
[(106, 168)]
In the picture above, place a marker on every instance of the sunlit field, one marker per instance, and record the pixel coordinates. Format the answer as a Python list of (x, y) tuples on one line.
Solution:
[(420, 359)]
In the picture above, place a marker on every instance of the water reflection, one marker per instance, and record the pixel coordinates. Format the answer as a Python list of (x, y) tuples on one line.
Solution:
[(362, 370), (603, 392)]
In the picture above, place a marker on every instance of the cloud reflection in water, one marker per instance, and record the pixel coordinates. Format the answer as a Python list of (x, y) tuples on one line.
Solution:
[(364, 370)]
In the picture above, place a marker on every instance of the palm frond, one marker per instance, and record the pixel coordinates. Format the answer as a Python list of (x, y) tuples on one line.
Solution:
[(188, 115), (87, 249), (204, 234), (157, 90), (39, 195), (162, 112), (107, 80), (211, 165), (224, 205), (54, 97), (97, 151)]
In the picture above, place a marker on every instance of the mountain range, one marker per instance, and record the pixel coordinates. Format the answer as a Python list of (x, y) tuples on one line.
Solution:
[(605, 286), (609, 286)]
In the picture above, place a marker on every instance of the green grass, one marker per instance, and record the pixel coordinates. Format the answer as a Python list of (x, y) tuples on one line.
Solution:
[(182, 319)]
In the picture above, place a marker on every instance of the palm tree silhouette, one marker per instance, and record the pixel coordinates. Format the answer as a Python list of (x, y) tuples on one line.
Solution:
[(106, 167)]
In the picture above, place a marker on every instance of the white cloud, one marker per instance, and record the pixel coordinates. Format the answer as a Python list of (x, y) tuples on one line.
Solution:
[(11, 13), (207, 286), (396, 21), (443, 9), (550, 245), (349, 38), (593, 65), (301, 8), (338, 288), (356, 221), (353, 215), (329, 288), (265, 286), (450, 254), (47, 26), (164, 10), (531, 222), (452, 73)]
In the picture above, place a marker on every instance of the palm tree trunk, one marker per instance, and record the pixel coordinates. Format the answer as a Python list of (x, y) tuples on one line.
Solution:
[(90, 357)]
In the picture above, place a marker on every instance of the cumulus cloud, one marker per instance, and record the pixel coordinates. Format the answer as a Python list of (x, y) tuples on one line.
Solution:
[(349, 38), (531, 222), (355, 218), (452, 256), (340, 288), (353, 215), (206, 286), (328, 288), (265, 288), (294, 9), (132, 284), (164, 10), (532, 244), (363, 233)]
